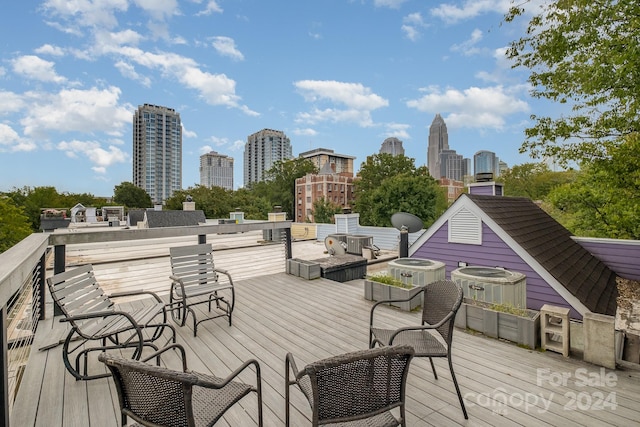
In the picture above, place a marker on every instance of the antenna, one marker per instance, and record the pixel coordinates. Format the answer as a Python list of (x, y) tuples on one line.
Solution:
[(335, 246), (406, 223)]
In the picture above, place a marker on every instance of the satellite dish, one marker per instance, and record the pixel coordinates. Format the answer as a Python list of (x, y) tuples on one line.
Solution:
[(406, 221), (335, 246)]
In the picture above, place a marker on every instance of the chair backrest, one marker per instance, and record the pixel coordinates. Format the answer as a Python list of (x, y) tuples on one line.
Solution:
[(77, 291), (442, 298), (152, 395), (359, 384), (193, 264)]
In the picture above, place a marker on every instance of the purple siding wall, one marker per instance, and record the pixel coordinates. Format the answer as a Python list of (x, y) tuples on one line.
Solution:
[(493, 252), (621, 256)]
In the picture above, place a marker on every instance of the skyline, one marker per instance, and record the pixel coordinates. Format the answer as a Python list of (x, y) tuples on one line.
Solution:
[(338, 74)]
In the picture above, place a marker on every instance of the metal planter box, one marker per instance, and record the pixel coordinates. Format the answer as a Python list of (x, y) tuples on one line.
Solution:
[(524, 330), (376, 291)]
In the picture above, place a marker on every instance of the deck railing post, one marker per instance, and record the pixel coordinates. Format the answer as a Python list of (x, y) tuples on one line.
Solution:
[(4, 365), (59, 254), (41, 285), (287, 243)]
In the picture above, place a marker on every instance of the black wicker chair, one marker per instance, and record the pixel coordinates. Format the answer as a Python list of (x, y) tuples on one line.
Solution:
[(97, 323), (441, 301), (195, 280), (156, 396), (360, 388)]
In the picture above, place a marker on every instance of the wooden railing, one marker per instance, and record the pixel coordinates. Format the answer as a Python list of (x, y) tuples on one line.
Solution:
[(22, 284)]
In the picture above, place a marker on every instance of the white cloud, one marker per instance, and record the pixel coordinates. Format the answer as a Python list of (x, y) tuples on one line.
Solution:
[(10, 140), (412, 24), (3, 71), (86, 13), (483, 108), (100, 157), (469, 47), (237, 145), (47, 49), (398, 130), (187, 133), (10, 102), (226, 46), (129, 71), (35, 68), (212, 7), (358, 100), (159, 9), (392, 4), (452, 13), (89, 111), (305, 132)]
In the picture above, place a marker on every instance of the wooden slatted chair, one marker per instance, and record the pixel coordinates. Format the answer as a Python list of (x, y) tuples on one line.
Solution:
[(441, 301), (157, 396), (98, 324), (360, 388), (195, 280)]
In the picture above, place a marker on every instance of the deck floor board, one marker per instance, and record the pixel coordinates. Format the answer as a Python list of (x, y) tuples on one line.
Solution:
[(280, 313)]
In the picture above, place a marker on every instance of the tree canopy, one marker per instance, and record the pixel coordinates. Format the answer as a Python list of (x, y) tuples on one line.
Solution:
[(14, 224), (324, 211), (387, 184), (533, 180), (585, 54), (131, 196)]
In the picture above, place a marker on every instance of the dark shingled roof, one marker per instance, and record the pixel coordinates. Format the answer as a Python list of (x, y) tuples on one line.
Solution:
[(551, 245), (156, 219)]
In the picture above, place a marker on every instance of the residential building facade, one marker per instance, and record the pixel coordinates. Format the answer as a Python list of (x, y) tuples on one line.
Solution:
[(157, 151), (262, 150), (333, 182), (438, 141), (216, 170)]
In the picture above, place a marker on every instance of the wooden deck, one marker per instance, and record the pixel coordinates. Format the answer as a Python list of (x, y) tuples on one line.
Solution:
[(503, 384)]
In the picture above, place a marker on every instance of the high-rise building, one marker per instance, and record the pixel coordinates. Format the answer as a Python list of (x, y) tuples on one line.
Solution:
[(157, 151), (485, 163), (438, 141), (262, 150), (392, 146), (216, 170), (452, 165)]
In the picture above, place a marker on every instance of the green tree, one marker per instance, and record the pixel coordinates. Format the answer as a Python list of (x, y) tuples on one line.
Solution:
[(254, 206), (388, 184), (215, 202), (324, 211), (584, 54), (604, 200), (33, 200), (14, 224), (279, 186), (533, 180), (129, 195)]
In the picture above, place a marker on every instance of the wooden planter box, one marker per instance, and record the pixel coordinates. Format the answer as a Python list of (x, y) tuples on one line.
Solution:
[(522, 330), (376, 291)]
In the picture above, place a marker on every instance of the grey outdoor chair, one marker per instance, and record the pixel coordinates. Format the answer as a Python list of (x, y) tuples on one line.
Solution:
[(195, 280), (354, 389), (156, 396), (441, 301), (98, 324)]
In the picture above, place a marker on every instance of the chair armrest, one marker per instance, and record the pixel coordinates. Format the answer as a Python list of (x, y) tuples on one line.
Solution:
[(180, 348), (290, 366), (214, 384), (422, 327), (133, 293), (225, 272)]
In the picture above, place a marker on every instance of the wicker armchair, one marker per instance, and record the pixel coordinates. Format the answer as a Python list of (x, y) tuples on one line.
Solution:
[(441, 301), (195, 280), (98, 324), (156, 396), (354, 389)]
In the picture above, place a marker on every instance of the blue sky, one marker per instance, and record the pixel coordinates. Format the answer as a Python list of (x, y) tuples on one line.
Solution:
[(336, 74)]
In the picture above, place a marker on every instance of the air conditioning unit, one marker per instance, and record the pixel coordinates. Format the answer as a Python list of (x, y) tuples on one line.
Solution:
[(355, 243), (492, 285), (416, 271)]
